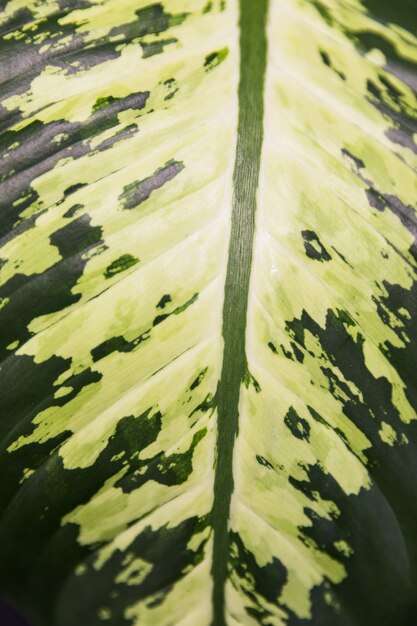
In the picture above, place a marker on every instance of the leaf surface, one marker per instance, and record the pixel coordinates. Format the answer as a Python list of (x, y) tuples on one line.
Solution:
[(207, 303)]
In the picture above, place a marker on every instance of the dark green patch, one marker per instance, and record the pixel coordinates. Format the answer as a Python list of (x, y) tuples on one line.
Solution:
[(207, 404), (262, 461), (120, 265), (356, 162), (150, 48), (387, 99), (327, 61), (214, 59), (76, 238), (151, 20), (249, 379), (117, 344), (377, 589), (51, 291), (172, 87), (313, 246), (73, 188), (172, 469), (298, 426), (121, 135), (120, 344), (407, 214), (402, 12), (254, 580), (140, 190), (391, 510), (166, 299), (342, 256), (160, 318), (299, 354), (323, 11), (73, 210), (43, 554), (97, 587), (38, 153), (197, 381)]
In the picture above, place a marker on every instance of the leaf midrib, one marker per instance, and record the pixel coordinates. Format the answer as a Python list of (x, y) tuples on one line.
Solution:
[(245, 183)]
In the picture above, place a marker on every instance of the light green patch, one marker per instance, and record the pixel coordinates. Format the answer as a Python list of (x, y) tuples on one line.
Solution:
[(104, 613), (388, 434), (63, 391), (27, 473), (343, 547), (135, 571)]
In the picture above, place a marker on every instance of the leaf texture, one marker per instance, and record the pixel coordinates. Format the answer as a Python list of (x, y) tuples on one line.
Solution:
[(195, 432)]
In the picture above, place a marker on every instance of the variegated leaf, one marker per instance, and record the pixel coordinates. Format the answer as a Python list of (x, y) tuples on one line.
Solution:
[(208, 419)]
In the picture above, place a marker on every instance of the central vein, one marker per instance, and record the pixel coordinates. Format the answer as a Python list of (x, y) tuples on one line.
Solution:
[(246, 174)]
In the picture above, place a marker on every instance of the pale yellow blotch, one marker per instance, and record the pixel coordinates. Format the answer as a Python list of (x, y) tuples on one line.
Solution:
[(134, 573), (343, 547), (27, 473), (62, 392), (80, 569), (197, 539), (331, 600), (104, 613), (388, 434)]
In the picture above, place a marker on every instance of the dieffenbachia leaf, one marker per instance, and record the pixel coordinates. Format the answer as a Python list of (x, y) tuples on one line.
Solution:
[(208, 312)]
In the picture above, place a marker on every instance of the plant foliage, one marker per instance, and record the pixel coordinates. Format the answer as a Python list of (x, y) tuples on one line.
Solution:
[(208, 281)]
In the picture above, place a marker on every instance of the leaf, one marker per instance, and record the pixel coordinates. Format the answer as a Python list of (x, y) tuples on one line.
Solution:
[(207, 419)]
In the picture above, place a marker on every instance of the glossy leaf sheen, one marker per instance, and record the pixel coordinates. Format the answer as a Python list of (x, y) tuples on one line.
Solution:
[(208, 418)]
